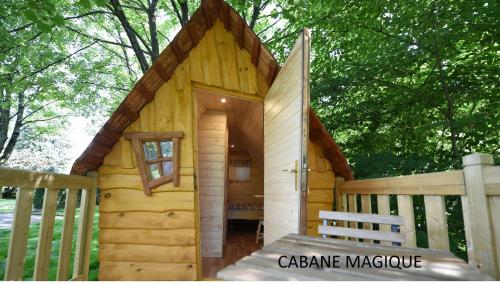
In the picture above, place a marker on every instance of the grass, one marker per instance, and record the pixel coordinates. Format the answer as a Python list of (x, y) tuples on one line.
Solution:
[(29, 264)]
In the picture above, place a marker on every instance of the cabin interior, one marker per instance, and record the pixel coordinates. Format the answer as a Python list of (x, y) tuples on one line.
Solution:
[(230, 154)]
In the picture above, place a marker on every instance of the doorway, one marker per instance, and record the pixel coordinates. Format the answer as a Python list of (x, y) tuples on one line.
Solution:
[(230, 155)]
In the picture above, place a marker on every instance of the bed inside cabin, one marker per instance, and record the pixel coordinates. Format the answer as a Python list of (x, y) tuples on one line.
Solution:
[(230, 155)]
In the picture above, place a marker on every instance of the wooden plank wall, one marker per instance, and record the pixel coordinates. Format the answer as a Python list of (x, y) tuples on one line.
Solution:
[(212, 132), (246, 191), (136, 229), (321, 182)]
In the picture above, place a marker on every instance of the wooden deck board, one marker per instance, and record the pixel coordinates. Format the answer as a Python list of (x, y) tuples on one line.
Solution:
[(264, 264)]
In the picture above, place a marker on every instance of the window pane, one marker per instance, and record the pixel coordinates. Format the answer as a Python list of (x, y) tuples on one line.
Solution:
[(154, 171), (167, 167), (166, 148), (150, 151), (242, 173)]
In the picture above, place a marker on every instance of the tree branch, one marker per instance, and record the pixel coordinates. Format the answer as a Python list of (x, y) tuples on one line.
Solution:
[(55, 62)]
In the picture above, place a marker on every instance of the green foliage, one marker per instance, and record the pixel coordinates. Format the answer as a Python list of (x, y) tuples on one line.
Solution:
[(38, 198), (8, 192)]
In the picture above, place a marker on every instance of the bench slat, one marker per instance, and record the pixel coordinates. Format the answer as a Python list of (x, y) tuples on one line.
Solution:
[(357, 217), (360, 233)]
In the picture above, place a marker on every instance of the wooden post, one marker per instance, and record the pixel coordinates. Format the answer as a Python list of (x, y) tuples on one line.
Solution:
[(67, 235), (405, 209), (477, 219), (384, 208), (338, 198), (45, 234), (14, 268), (85, 224)]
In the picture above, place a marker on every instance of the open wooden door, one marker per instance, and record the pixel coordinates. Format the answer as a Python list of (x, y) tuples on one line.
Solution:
[(286, 134)]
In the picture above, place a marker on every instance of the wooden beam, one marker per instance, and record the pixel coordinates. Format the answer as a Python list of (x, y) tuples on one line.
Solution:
[(225, 16), (256, 51), (161, 71), (177, 52), (30, 179), (272, 74), (144, 92), (129, 114)]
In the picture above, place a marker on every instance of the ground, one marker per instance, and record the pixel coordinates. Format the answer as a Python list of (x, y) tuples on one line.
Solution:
[(6, 210)]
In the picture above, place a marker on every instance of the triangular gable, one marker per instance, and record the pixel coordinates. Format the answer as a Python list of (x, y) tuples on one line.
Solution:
[(163, 68)]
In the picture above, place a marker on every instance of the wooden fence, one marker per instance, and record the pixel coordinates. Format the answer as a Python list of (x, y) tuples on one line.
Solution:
[(27, 182), (478, 185)]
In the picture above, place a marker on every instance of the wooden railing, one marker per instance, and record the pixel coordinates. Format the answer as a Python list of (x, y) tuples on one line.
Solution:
[(478, 185), (27, 182)]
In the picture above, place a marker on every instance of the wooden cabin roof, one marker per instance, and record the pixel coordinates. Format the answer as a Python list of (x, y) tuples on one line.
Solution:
[(163, 68)]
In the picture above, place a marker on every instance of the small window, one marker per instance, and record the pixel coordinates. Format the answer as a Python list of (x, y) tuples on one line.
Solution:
[(157, 157), (240, 171)]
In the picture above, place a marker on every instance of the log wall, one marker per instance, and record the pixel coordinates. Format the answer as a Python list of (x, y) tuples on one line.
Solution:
[(321, 180)]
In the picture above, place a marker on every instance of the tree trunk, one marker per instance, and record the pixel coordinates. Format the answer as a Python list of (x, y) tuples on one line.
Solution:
[(16, 131), (5, 105), (134, 42), (153, 30)]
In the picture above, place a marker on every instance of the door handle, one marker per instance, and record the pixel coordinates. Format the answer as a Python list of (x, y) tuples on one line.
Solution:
[(296, 172)]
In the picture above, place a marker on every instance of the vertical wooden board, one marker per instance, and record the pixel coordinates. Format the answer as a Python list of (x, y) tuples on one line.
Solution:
[(384, 208), (252, 73), (311, 157), (243, 70), (204, 59), (196, 70), (183, 121), (163, 108), (262, 87), (45, 235), (405, 209), (437, 227), (232, 49), (18, 241), (126, 153), (144, 118), (114, 158), (84, 235), (353, 208), (481, 244), (233, 79), (366, 208), (495, 218), (67, 235), (152, 116), (181, 76), (214, 68)]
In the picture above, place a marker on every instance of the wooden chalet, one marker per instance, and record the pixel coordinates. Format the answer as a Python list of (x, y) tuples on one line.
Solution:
[(216, 152), (207, 133)]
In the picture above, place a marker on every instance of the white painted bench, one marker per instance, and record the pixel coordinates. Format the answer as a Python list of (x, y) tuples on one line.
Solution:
[(331, 230)]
